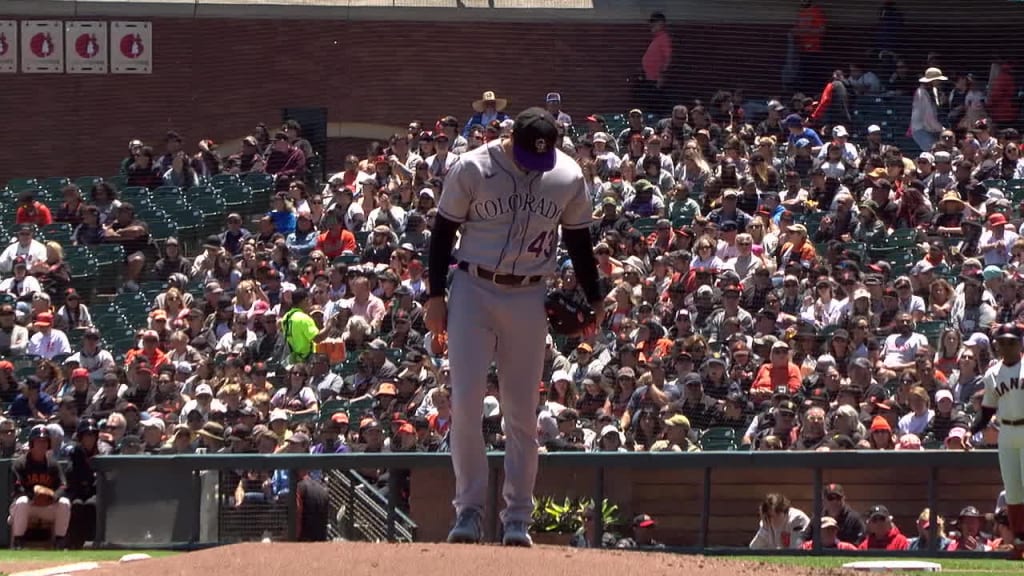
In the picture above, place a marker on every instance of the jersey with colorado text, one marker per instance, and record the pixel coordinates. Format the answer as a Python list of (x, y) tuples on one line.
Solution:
[(510, 219)]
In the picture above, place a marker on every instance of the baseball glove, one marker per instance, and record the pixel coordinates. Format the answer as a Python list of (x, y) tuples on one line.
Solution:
[(568, 314)]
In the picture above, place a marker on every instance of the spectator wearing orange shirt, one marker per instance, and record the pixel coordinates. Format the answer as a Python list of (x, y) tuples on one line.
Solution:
[(336, 240), (31, 211), (796, 247), (778, 374), (150, 351)]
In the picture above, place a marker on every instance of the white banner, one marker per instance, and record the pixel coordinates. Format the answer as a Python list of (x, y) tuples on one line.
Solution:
[(42, 46), (8, 46), (85, 47), (131, 47)]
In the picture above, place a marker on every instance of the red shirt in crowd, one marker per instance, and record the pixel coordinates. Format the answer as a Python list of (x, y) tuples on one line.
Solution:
[(658, 56), (894, 540), (37, 213), (770, 378), (334, 245), (156, 358), (810, 29)]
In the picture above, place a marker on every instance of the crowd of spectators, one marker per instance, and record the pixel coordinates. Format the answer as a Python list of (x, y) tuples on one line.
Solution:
[(785, 527), (773, 283)]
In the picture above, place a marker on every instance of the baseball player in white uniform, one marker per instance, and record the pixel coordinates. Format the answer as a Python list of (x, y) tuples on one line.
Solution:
[(1004, 398), (510, 199)]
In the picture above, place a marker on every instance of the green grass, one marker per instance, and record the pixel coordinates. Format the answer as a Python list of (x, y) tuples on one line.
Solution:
[(950, 566), (71, 556)]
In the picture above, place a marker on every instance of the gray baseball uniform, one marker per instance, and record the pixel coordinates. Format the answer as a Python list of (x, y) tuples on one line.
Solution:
[(509, 226)]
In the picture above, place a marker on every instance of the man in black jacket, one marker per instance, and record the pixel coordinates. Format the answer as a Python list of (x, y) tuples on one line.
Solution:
[(851, 525), (39, 485)]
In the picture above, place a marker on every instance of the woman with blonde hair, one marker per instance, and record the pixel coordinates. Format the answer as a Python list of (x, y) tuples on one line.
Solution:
[(173, 303), (247, 295), (846, 422), (358, 333), (692, 168)]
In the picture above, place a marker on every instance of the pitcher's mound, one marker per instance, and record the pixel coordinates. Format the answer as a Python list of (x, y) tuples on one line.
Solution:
[(365, 559)]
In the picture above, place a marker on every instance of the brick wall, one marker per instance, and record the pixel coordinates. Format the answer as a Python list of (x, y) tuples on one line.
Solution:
[(218, 78)]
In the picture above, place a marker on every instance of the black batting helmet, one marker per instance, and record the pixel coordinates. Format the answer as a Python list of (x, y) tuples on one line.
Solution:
[(38, 431), (87, 426), (1008, 331)]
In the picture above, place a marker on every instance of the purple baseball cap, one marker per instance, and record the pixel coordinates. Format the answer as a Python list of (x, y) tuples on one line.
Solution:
[(534, 134)]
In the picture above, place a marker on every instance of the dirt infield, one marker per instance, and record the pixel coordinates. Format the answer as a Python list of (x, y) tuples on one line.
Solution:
[(362, 559)]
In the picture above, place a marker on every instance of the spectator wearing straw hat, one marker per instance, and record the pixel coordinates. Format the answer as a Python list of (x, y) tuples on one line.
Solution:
[(924, 115), (487, 109)]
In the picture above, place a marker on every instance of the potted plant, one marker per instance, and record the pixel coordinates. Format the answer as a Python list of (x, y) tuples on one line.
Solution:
[(555, 522)]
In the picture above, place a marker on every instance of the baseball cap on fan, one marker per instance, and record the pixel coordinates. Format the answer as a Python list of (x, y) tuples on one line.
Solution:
[(533, 139)]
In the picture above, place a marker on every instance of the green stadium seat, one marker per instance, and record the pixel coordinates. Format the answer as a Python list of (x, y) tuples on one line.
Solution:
[(347, 259), (308, 418), (348, 367), (221, 180), (161, 230), (138, 196), (719, 433), (359, 407), (199, 191), (236, 197), (118, 182), (83, 269), (167, 190), (85, 183), (332, 407), (258, 181), (645, 225), (18, 184), (107, 254), (714, 445), (54, 183), (361, 237)]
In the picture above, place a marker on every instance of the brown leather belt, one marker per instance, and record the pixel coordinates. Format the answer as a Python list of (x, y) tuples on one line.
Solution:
[(502, 279)]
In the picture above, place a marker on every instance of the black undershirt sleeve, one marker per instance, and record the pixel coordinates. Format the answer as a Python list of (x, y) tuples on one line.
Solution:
[(581, 252), (982, 420), (442, 241)]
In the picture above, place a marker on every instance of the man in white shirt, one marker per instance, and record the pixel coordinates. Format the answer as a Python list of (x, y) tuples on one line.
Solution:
[(901, 346), (553, 101), (442, 160), (47, 342), (26, 246), (840, 139), (863, 81), (996, 241), (364, 303)]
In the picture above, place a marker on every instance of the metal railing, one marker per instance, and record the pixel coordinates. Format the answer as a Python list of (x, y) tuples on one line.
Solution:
[(359, 510), (597, 463)]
